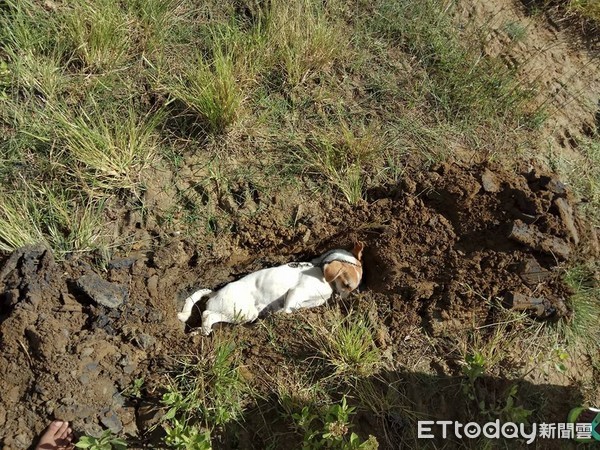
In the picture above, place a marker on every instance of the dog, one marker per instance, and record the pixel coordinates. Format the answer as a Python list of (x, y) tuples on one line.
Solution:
[(288, 287)]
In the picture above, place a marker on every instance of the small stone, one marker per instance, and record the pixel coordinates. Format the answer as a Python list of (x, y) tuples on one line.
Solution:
[(121, 263), (145, 341), (553, 185), (532, 273), (103, 292), (112, 422), (489, 181)]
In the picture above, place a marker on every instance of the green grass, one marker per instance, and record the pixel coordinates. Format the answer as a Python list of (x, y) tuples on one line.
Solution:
[(460, 82), (206, 391), (584, 328), (345, 343)]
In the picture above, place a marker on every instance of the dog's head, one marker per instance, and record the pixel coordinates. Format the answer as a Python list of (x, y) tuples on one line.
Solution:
[(343, 269)]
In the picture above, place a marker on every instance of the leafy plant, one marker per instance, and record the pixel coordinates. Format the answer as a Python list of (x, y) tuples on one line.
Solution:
[(331, 429), (107, 441), (181, 435)]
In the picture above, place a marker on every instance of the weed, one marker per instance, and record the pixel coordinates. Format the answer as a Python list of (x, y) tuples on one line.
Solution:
[(462, 83), (183, 436), (584, 328), (135, 390), (211, 90), (109, 147), (98, 33), (107, 441), (346, 344), (584, 176), (330, 429), (509, 411), (208, 391), (341, 155), (51, 217), (302, 40)]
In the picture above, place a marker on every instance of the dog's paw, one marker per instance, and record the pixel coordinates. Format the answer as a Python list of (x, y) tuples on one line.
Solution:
[(183, 317)]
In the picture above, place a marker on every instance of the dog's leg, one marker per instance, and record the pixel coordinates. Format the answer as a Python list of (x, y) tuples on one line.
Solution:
[(209, 318), (185, 314)]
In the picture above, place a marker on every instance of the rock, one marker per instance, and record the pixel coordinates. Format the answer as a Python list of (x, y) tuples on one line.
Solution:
[(539, 306), (530, 236), (532, 273), (566, 214), (553, 185), (121, 263), (111, 421), (103, 292), (489, 181), (145, 341)]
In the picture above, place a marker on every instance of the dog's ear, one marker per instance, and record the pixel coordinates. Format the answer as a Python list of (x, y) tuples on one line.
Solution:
[(357, 250), (332, 270)]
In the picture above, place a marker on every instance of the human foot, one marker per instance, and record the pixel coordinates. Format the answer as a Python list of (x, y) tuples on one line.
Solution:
[(58, 436)]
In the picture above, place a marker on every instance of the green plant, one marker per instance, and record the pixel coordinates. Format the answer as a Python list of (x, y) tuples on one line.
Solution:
[(346, 344), (98, 33), (342, 156), (135, 390), (208, 391), (510, 411), (330, 429), (583, 330), (211, 89), (106, 441), (109, 147), (181, 435), (465, 85)]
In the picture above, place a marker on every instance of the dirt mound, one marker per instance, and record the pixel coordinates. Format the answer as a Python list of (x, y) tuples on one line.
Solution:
[(438, 257)]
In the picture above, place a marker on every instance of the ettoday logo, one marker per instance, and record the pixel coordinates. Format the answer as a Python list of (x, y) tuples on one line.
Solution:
[(507, 430)]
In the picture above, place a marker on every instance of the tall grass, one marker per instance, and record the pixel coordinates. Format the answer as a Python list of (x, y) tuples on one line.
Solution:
[(98, 32), (461, 82), (109, 148)]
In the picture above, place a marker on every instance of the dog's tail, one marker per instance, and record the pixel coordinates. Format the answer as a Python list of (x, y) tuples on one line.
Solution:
[(185, 314)]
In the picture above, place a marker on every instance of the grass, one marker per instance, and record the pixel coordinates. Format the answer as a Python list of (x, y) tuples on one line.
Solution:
[(211, 89), (112, 148), (345, 342), (207, 391), (251, 102), (97, 33), (584, 328), (462, 84)]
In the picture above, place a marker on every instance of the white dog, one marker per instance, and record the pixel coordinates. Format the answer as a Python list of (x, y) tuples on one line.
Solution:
[(288, 287)]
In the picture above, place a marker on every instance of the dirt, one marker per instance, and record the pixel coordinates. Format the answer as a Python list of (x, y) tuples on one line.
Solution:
[(438, 259)]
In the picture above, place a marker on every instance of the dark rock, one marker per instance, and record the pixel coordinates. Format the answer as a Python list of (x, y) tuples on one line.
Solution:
[(553, 184), (532, 273), (103, 292), (121, 263), (538, 306), (530, 236)]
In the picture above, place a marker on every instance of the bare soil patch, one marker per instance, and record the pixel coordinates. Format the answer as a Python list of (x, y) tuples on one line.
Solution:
[(438, 259)]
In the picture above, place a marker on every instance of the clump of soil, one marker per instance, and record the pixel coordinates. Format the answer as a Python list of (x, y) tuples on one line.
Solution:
[(438, 258)]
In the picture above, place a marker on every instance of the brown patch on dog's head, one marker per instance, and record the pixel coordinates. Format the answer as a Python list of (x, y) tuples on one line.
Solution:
[(358, 249)]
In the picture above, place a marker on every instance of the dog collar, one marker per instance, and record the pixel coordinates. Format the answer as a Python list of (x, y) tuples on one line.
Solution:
[(336, 255)]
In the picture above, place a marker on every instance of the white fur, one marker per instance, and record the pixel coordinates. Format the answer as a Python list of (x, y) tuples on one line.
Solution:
[(288, 287)]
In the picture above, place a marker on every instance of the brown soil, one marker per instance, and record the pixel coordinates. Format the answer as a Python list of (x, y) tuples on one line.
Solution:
[(438, 261)]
